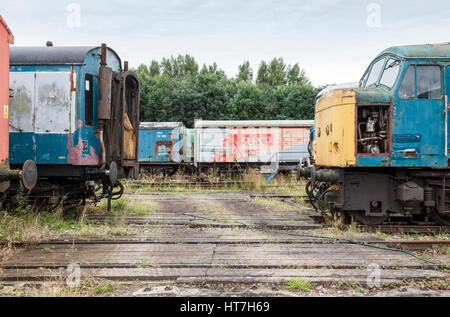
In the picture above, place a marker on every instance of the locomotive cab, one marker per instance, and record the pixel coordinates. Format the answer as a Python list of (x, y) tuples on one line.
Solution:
[(381, 149)]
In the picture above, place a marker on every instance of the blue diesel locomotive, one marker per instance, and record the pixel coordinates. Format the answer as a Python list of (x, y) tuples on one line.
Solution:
[(382, 149)]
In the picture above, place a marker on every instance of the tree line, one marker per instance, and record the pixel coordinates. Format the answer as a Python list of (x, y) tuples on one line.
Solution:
[(176, 89)]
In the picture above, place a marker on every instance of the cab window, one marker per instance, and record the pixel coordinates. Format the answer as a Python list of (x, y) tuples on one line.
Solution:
[(362, 82), (375, 73), (408, 88), (390, 73), (89, 100), (429, 82)]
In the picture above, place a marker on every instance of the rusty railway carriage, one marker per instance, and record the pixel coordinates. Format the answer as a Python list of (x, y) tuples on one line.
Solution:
[(28, 175), (164, 147), (280, 144), (75, 112), (382, 149)]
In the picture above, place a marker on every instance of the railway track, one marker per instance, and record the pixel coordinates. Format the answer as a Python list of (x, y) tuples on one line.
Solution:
[(406, 229), (186, 250), (198, 261), (414, 245), (203, 185)]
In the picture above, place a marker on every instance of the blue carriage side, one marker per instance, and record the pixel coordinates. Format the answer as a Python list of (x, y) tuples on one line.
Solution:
[(75, 112)]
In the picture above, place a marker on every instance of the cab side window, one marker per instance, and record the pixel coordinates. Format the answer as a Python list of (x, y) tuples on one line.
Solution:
[(429, 82), (89, 100), (408, 88)]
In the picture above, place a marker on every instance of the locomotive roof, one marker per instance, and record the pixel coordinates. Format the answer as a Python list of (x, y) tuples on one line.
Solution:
[(51, 55), (160, 125), (255, 124), (441, 50)]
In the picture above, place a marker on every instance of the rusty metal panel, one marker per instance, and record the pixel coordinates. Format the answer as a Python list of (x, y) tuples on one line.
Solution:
[(52, 105), (159, 145), (104, 93), (21, 117)]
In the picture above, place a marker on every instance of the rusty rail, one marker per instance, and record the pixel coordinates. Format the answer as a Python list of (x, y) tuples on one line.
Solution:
[(415, 245), (225, 184)]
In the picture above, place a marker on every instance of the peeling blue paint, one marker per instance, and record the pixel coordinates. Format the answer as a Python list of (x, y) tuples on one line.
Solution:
[(51, 147)]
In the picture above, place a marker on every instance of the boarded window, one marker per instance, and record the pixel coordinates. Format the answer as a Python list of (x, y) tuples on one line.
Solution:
[(408, 88), (89, 101), (429, 82)]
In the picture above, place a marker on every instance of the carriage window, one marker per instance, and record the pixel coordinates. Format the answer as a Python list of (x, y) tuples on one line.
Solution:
[(429, 82), (89, 101), (408, 88), (375, 72), (390, 73)]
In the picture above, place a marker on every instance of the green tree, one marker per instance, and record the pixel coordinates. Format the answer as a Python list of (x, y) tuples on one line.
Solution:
[(155, 69), (245, 72), (213, 69), (179, 67), (277, 72), (174, 90), (295, 75), (263, 74)]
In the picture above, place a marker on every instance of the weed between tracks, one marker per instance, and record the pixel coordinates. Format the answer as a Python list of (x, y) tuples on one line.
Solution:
[(299, 285), (23, 226), (56, 287), (276, 205), (251, 181)]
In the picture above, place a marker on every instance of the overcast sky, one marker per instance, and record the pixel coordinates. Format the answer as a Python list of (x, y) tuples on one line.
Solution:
[(333, 41)]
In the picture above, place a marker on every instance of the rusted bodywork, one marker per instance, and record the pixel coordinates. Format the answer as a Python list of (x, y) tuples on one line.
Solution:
[(386, 142), (252, 142), (76, 113), (162, 143)]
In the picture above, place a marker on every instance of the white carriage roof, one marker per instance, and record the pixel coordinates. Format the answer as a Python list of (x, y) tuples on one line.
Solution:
[(254, 124), (160, 125)]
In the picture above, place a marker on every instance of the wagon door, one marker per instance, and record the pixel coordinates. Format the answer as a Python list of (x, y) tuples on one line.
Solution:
[(52, 116), (21, 117)]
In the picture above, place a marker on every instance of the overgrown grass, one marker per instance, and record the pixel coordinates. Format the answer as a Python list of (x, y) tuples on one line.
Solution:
[(22, 225), (30, 227), (127, 206), (56, 287), (274, 203), (424, 236), (299, 285), (253, 180)]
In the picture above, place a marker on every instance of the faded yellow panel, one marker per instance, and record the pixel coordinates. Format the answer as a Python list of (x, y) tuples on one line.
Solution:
[(334, 144), (129, 140)]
